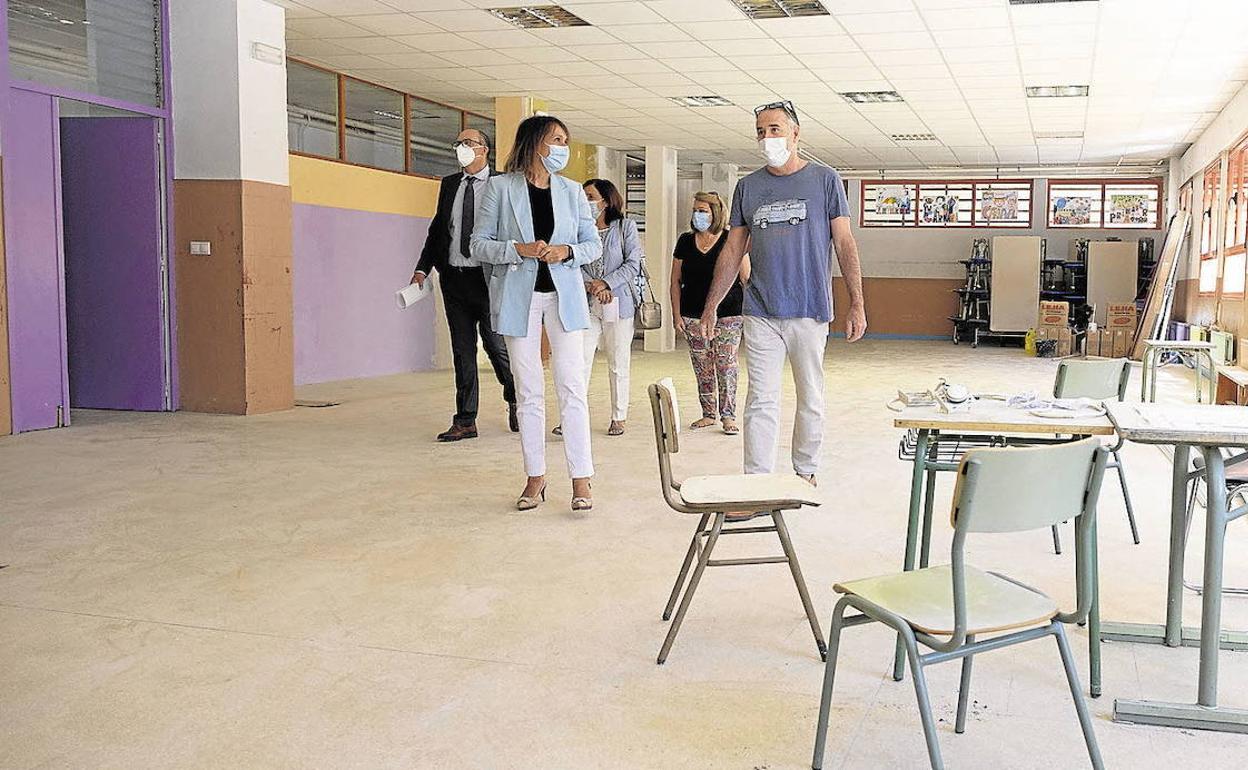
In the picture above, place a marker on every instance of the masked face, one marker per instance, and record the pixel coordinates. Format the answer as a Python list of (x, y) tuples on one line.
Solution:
[(465, 155), (701, 221), (556, 158), (776, 150)]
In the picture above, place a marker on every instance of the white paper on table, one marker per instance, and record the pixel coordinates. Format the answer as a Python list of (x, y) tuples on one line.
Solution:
[(411, 294)]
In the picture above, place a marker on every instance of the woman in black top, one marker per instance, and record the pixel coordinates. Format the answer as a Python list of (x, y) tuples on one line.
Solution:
[(714, 358)]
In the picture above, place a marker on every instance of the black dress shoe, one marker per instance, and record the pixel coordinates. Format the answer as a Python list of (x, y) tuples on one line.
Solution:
[(513, 420), (459, 433)]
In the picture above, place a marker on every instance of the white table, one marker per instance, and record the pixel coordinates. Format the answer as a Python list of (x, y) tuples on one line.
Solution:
[(1207, 429), (1155, 349)]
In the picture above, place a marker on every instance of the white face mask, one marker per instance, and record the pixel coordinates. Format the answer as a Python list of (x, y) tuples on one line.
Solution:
[(465, 155), (596, 208), (776, 150)]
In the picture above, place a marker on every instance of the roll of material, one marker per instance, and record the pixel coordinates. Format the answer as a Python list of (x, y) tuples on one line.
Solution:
[(411, 294)]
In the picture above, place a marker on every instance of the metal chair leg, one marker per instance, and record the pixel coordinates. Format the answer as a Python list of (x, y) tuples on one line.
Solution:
[(1057, 541), (925, 702), (964, 689), (693, 586), (829, 675), (684, 568), (1126, 497), (787, 544), (1081, 706)]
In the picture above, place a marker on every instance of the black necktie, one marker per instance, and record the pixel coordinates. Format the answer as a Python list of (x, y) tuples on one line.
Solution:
[(467, 216)]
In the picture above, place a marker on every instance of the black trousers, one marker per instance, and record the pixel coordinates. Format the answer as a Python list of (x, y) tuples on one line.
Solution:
[(467, 302)]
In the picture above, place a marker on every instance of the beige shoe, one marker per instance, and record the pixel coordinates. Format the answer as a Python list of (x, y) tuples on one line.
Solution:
[(529, 502)]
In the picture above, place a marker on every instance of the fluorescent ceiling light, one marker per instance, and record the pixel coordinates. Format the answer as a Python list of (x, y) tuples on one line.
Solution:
[(539, 17), (913, 137), (1059, 134), (871, 97), (1036, 92), (1047, 2), (708, 100), (780, 9)]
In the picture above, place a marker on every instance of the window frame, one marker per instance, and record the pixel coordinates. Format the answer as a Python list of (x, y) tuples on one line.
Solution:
[(407, 121), (973, 221), (1104, 184), (1208, 242)]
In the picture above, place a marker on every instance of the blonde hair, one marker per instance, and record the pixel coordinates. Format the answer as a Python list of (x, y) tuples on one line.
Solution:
[(719, 213)]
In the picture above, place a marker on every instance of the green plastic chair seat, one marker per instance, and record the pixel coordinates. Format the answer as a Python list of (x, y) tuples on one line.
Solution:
[(924, 598)]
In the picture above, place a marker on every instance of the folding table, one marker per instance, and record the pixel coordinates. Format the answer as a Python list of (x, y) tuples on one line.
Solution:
[(1207, 429)]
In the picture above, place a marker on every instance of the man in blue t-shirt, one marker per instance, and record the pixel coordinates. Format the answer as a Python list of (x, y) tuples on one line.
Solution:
[(788, 216)]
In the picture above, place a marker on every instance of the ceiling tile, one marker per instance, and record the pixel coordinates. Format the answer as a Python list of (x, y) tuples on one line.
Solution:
[(894, 41), (646, 33), (723, 30), (695, 10), (600, 14), (441, 41), (392, 24), (866, 23), (463, 21), (606, 53)]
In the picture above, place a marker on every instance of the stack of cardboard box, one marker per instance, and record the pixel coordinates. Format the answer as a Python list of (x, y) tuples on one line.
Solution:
[(1055, 325), (1114, 341)]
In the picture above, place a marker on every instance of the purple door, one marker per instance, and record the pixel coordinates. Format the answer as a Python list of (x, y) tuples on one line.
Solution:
[(110, 187), (33, 257)]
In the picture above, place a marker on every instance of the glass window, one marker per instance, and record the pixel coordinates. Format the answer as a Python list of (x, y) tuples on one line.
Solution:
[(312, 110), (434, 128), (374, 118), (1075, 204), (1237, 199), (109, 48), (1233, 278)]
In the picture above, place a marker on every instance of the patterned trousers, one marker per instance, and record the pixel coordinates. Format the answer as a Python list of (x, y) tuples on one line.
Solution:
[(715, 364)]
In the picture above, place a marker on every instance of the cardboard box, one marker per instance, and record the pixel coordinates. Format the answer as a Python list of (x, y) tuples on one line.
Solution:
[(1054, 313), (1065, 342), (1122, 341), (1092, 344), (1120, 316)]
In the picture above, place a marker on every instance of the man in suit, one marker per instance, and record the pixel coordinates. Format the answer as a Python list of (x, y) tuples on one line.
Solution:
[(464, 292)]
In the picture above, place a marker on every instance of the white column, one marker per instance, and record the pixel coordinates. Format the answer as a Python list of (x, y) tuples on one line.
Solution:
[(661, 229), (720, 178), (612, 165)]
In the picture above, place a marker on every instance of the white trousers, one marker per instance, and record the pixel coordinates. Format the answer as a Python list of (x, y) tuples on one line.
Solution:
[(768, 342), (567, 364), (616, 338)]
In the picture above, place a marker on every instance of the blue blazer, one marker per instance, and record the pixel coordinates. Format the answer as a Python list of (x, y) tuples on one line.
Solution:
[(505, 219), (621, 256)]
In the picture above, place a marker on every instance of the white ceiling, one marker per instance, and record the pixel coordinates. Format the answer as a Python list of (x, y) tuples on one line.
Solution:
[(1158, 71)]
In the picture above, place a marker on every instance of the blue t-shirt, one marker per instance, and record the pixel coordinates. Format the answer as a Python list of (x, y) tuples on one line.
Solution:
[(789, 219)]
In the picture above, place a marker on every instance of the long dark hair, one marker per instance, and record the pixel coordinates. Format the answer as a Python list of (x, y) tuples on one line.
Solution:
[(528, 144), (611, 197)]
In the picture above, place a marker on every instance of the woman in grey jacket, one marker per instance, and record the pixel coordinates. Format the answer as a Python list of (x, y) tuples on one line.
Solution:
[(611, 282)]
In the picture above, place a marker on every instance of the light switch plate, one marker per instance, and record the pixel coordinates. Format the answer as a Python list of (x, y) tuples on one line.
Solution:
[(201, 248)]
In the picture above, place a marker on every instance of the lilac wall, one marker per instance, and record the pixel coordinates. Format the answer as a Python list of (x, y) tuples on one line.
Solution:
[(32, 204), (348, 264)]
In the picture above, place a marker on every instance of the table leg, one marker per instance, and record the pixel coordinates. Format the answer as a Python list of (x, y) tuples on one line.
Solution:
[(1178, 514), (1144, 374), (1152, 382), (1213, 382), (1094, 616), (1211, 608), (912, 529)]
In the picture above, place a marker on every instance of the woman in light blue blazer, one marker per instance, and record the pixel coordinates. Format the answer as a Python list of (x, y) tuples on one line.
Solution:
[(533, 232)]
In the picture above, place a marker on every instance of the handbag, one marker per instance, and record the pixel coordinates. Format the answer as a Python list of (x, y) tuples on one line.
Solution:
[(649, 313)]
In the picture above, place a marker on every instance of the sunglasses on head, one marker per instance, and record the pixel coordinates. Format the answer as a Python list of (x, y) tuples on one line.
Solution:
[(785, 105)]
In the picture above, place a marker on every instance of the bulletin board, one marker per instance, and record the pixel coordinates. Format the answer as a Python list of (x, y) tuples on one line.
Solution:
[(1015, 298)]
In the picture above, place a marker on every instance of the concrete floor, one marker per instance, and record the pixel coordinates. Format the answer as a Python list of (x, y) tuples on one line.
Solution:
[(330, 588)]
